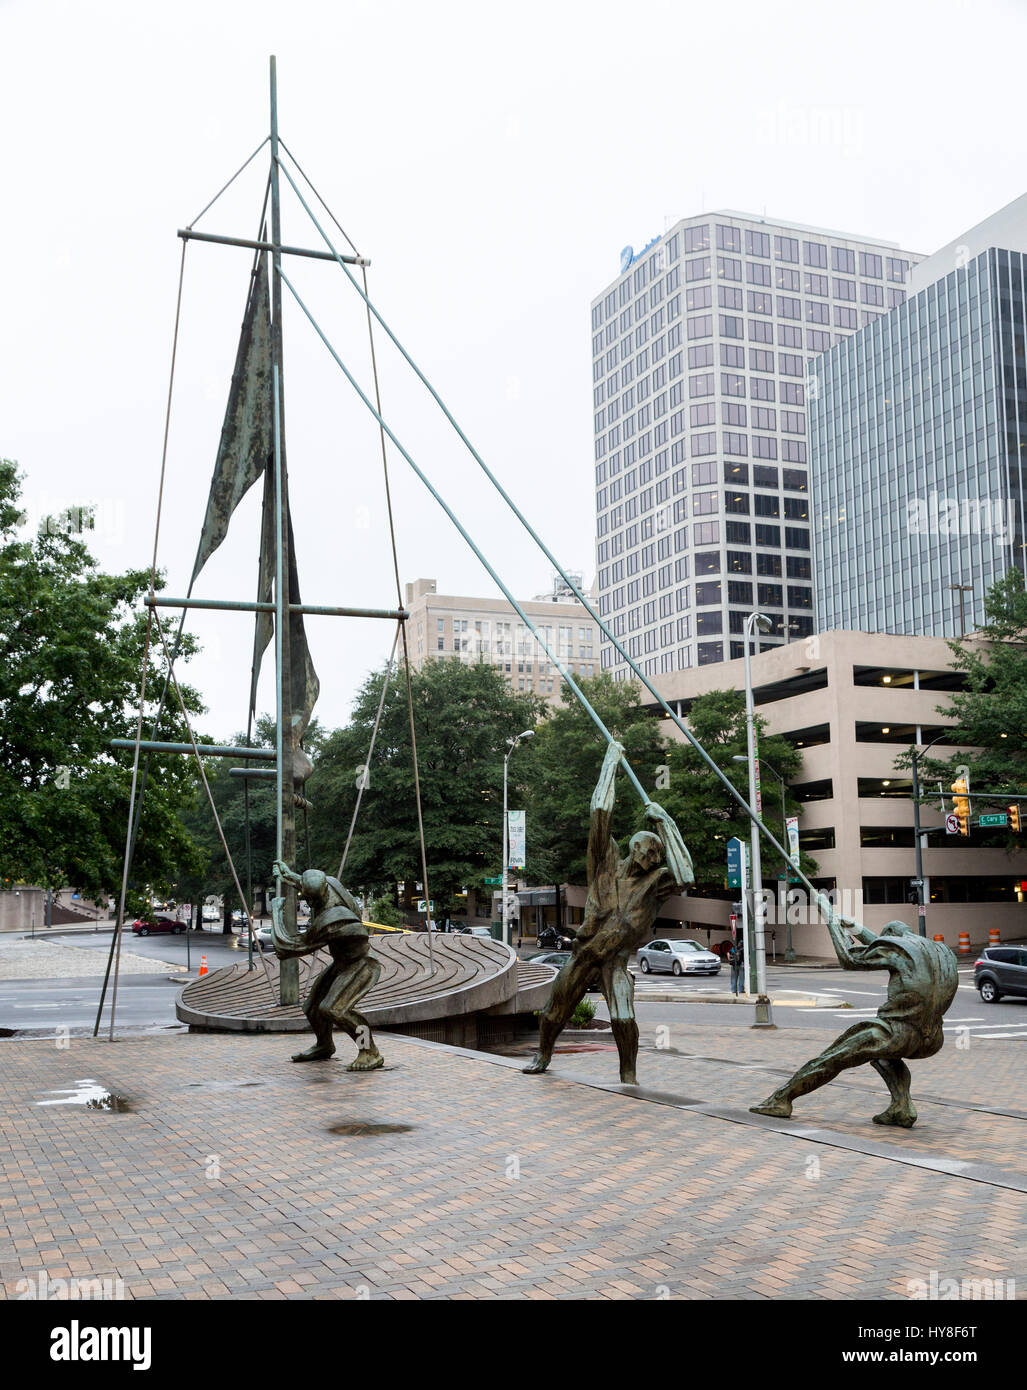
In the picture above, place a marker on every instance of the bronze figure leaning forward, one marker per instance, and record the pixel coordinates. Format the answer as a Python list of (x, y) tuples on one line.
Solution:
[(335, 924), (624, 896), (922, 984)]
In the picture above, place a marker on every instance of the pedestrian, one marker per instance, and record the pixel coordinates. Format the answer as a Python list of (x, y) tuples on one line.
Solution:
[(736, 956)]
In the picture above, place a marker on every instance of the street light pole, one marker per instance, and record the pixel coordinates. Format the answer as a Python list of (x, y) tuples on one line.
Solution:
[(962, 589), (921, 900), (764, 1016), (738, 758), (513, 742)]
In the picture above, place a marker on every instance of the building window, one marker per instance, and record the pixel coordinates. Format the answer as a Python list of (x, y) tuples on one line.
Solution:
[(757, 244), (709, 653), (786, 248)]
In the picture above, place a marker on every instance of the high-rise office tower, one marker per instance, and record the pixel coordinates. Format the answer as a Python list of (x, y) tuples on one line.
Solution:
[(700, 352), (919, 444)]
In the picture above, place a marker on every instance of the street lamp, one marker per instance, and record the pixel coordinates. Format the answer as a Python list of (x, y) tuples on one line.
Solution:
[(740, 758), (512, 742), (764, 1018), (921, 901)]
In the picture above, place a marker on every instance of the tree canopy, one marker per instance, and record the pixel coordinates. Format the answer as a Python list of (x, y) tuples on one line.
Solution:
[(561, 768), (463, 715), (558, 771), (991, 712), (71, 647), (705, 811)]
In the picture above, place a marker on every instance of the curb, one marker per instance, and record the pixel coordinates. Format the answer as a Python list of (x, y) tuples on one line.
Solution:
[(812, 1001)]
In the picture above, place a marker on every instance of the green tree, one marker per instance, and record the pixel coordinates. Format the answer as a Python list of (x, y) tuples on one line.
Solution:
[(214, 874), (991, 711), (558, 770), (71, 644), (463, 716), (706, 814)]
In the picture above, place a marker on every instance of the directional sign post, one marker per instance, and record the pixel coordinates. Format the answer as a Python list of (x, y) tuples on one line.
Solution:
[(735, 850)]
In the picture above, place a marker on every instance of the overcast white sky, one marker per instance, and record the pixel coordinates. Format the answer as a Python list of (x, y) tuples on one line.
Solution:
[(492, 161)]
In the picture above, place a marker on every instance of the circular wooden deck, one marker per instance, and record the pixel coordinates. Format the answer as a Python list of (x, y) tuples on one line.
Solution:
[(472, 974)]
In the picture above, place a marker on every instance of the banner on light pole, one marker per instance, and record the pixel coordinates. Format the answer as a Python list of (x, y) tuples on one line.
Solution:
[(516, 834), (792, 826)]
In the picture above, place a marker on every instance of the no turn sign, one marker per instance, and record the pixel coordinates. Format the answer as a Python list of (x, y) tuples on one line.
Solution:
[(951, 824)]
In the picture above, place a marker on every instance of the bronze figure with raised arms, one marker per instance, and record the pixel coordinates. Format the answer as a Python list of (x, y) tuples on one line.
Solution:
[(624, 896)]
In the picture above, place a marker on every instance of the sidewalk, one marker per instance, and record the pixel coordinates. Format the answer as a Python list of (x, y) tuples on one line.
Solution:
[(451, 1175)]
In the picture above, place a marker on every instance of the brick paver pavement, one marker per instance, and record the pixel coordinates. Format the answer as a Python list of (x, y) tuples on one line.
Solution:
[(451, 1175)]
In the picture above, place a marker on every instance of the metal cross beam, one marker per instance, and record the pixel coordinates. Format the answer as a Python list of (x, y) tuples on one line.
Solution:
[(244, 606), (206, 750), (188, 235)]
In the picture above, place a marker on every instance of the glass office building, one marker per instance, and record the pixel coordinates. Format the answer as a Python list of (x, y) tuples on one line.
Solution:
[(918, 430), (700, 353)]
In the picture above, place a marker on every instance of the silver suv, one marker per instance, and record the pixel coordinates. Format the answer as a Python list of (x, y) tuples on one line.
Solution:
[(1001, 970)]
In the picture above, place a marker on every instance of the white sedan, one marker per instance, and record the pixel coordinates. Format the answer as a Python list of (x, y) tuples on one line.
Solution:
[(678, 958)]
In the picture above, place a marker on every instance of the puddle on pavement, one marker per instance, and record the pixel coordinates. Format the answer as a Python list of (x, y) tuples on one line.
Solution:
[(362, 1127), (90, 1095), (222, 1085)]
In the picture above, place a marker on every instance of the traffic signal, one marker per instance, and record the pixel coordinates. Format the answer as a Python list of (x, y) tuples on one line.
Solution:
[(961, 804), (1013, 812)]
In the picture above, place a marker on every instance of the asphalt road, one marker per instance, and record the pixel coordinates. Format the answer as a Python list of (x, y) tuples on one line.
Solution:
[(37, 1008), (863, 992), (148, 1001)]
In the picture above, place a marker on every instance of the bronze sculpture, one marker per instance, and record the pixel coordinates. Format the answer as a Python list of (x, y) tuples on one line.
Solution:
[(623, 898), (922, 984), (336, 924)]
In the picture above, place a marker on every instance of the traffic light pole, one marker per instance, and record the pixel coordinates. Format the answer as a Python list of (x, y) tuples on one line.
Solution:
[(921, 901), (921, 897)]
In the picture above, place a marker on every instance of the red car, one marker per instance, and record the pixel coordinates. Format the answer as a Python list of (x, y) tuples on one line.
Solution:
[(143, 926)]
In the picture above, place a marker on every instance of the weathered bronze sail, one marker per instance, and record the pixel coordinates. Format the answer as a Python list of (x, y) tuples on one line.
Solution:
[(245, 452)]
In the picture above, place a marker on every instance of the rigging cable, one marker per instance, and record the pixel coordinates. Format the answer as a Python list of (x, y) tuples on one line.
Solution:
[(728, 785), (210, 796), (370, 754), (115, 952)]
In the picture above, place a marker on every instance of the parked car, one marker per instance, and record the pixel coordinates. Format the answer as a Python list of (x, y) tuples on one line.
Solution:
[(683, 957), (554, 940), (143, 926), (261, 938), (1001, 970), (559, 959)]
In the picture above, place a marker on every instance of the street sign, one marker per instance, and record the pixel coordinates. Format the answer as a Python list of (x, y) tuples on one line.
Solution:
[(734, 863), (494, 882), (1000, 818), (951, 824), (421, 905)]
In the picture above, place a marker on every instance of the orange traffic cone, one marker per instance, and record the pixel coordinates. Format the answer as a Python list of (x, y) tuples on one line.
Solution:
[(203, 967)]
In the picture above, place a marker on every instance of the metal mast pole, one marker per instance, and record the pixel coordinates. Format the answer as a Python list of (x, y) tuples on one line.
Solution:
[(285, 740), (506, 852)]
